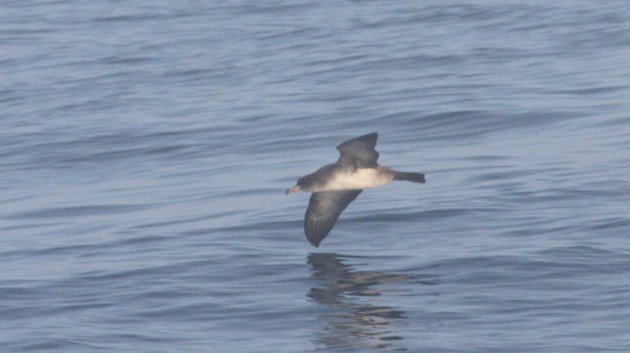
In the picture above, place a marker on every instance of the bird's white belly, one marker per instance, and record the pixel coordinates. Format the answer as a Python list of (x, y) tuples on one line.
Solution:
[(360, 179)]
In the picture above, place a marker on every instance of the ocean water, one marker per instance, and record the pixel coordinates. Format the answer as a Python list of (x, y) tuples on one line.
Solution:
[(145, 147)]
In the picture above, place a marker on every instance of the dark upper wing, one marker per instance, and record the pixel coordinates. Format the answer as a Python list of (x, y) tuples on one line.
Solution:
[(359, 152), (323, 211)]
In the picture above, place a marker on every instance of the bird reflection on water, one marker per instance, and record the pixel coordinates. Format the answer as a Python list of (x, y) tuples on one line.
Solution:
[(356, 323)]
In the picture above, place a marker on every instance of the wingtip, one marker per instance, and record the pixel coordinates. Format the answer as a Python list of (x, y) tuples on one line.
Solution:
[(370, 136), (313, 241), (315, 232), (369, 139)]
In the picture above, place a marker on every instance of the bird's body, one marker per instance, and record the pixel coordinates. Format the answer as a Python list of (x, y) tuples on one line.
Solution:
[(335, 185), (335, 178), (361, 178)]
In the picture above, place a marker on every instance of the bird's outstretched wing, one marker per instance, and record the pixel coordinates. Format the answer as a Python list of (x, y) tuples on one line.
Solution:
[(359, 152), (323, 211)]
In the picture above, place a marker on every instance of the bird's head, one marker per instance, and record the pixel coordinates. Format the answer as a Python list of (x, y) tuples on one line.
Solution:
[(303, 184)]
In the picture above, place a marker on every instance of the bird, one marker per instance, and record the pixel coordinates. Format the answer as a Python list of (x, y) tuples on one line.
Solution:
[(336, 185)]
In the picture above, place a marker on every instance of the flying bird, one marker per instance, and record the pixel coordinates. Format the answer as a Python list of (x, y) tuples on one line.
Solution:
[(335, 185)]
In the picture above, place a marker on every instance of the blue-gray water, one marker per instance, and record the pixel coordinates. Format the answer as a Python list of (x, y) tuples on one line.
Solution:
[(145, 147)]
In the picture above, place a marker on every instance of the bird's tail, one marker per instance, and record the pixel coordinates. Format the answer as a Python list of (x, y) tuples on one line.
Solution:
[(413, 177)]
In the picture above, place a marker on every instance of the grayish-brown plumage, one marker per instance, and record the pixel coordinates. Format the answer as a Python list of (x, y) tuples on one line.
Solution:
[(335, 185)]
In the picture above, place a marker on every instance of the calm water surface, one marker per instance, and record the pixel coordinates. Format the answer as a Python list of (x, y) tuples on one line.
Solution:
[(145, 147)]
